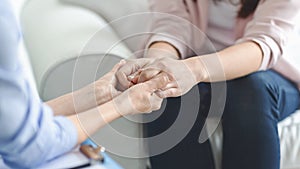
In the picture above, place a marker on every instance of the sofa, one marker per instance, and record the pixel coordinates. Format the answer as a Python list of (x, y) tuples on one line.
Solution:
[(71, 43)]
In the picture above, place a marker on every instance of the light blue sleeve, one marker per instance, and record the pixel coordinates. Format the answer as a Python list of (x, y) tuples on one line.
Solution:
[(29, 133), (9, 35)]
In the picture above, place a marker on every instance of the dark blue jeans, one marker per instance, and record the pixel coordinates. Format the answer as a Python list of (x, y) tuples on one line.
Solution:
[(254, 106)]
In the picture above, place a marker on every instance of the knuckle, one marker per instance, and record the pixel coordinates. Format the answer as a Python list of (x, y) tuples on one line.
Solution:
[(168, 93), (164, 78), (156, 106), (161, 64), (118, 75), (148, 74)]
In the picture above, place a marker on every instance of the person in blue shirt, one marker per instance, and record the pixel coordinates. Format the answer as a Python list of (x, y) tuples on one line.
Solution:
[(33, 132)]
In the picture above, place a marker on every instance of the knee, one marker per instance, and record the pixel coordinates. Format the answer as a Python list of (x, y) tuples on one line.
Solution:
[(253, 85), (251, 99), (252, 89)]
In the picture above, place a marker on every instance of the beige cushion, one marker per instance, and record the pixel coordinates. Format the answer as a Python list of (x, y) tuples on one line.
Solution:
[(127, 18), (54, 32), (112, 9)]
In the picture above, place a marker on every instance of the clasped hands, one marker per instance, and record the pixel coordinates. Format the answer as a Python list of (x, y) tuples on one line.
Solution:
[(139, 85)]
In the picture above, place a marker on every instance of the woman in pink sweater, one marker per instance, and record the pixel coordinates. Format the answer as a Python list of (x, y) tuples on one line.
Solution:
[(206, 42)]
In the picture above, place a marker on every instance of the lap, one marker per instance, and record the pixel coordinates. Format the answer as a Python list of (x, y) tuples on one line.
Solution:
[(266, 91)]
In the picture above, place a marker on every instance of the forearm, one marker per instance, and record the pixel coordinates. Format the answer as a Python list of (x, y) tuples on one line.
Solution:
[(233, 62), (92, 120), (72, 103), (79, 101), (62, 105), (137, 99)]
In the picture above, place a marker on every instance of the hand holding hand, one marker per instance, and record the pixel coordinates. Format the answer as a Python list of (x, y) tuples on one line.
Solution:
[(142, 98), (181, 81), (127, 73), (181, 77)]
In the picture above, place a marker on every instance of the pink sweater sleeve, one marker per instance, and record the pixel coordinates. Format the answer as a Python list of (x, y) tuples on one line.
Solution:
[(171, 24), (272, 22)]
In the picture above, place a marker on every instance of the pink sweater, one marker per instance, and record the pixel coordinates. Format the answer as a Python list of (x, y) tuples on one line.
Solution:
[(269, 27)]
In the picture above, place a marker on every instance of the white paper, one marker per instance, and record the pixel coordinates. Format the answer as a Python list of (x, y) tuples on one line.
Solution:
[(69, 160)]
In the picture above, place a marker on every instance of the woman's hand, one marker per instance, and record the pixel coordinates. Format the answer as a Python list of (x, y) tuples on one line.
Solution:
[(142, 97), (126, 75), (182, 76)]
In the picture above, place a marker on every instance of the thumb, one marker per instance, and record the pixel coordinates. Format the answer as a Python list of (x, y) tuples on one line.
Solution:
[(148, 74), (158, 82), (118, 65), (172, 92)]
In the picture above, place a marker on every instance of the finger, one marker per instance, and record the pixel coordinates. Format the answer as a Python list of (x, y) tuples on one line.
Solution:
[(170, 85), (155, 102), (158, 82), (129, 68), (172, 92), (114, 69), (122, 76), (132, 66), (118, 65), (123, 82), (148, 74), (134, 77)]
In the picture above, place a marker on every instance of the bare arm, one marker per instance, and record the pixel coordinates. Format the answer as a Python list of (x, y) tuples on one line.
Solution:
[(75, 102), (230, 63), (140, 98), (63, 105), (90, 96), (92, 120), (233, 62)]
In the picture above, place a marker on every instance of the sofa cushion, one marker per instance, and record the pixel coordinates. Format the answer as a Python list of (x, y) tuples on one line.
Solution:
[(105, 7), (55, 32), (129, 19)]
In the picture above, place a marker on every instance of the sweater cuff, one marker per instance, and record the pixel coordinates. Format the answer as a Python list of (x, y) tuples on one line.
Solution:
[(180, 47)]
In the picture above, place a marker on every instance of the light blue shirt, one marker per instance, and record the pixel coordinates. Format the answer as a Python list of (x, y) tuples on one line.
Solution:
[(29, 133)]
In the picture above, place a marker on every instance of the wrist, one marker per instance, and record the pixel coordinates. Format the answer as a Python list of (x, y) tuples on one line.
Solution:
[(83, 99), (122, 104), (197, 68), (104, 91), (109, 111), (103, 94)]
